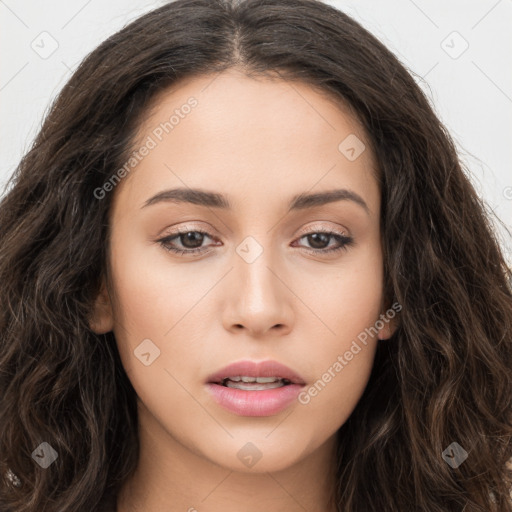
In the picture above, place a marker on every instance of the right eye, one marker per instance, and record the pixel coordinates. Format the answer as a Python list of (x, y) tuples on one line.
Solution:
[(186, 239)]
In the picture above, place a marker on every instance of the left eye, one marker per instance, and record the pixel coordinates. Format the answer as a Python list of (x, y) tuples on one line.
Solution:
[(191, 241), (324, 237)]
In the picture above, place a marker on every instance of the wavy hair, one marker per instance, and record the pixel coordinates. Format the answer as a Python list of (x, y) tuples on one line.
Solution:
[(445, 376)]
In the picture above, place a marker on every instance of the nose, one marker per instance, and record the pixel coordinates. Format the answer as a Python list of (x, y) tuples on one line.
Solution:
[(259, 300)]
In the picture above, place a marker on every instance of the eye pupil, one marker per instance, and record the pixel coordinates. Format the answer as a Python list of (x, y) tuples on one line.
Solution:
[(314, 237), (192, 236)]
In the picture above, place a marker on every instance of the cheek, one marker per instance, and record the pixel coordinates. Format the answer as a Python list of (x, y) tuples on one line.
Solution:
[(349, 307), (153, 295), (342, 367), (154, 314), (335, 394), (344, 299)]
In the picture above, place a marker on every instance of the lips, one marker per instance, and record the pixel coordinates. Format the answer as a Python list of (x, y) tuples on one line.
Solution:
[(232, 389), (262, 369)]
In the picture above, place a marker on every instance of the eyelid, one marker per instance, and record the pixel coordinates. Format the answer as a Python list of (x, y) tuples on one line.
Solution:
[(188, 226), (303, 231), (325, 229)]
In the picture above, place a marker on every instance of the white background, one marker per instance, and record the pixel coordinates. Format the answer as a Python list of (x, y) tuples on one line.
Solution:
[(471, 92)]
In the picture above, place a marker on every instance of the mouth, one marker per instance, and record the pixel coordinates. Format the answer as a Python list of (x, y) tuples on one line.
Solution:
[(250, 375), (253, 383), (248, 388)]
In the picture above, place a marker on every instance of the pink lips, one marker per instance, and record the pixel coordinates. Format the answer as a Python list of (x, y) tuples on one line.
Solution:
[(255, 402)]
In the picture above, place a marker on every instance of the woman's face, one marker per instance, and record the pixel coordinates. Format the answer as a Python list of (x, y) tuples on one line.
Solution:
[(262, 283)]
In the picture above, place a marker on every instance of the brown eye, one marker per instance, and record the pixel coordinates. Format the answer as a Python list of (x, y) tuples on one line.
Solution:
[(191, 241), (319, 241)]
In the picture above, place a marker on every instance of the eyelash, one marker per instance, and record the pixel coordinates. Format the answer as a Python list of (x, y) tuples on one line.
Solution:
[(345, 241)]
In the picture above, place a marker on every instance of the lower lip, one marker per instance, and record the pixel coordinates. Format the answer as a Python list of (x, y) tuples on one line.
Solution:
[(254, 403)]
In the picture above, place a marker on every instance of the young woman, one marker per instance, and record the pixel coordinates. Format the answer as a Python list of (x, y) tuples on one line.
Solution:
[(243, 268)]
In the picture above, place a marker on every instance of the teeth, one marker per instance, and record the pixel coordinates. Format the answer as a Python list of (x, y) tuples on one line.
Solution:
[(253, 386), (264, 380), (254, 383), (259, 380)]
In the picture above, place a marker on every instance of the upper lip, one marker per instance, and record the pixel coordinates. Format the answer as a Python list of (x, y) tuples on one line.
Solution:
[(256, 369)]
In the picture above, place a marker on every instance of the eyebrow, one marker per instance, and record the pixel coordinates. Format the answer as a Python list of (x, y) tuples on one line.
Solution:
[(215, 200)]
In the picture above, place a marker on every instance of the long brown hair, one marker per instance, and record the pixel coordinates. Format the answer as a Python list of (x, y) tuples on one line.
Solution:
[(444, 377)]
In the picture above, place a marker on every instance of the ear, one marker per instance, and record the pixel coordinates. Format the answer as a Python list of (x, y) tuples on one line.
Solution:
[(388, 323), (101, 320)]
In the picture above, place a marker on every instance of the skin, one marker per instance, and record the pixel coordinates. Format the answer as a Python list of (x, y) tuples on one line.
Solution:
[(260, 142)]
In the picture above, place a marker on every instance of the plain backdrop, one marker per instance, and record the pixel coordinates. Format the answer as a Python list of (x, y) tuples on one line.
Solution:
[(459, 53)]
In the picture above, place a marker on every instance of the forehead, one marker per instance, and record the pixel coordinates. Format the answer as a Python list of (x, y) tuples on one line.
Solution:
[(246, 135)]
